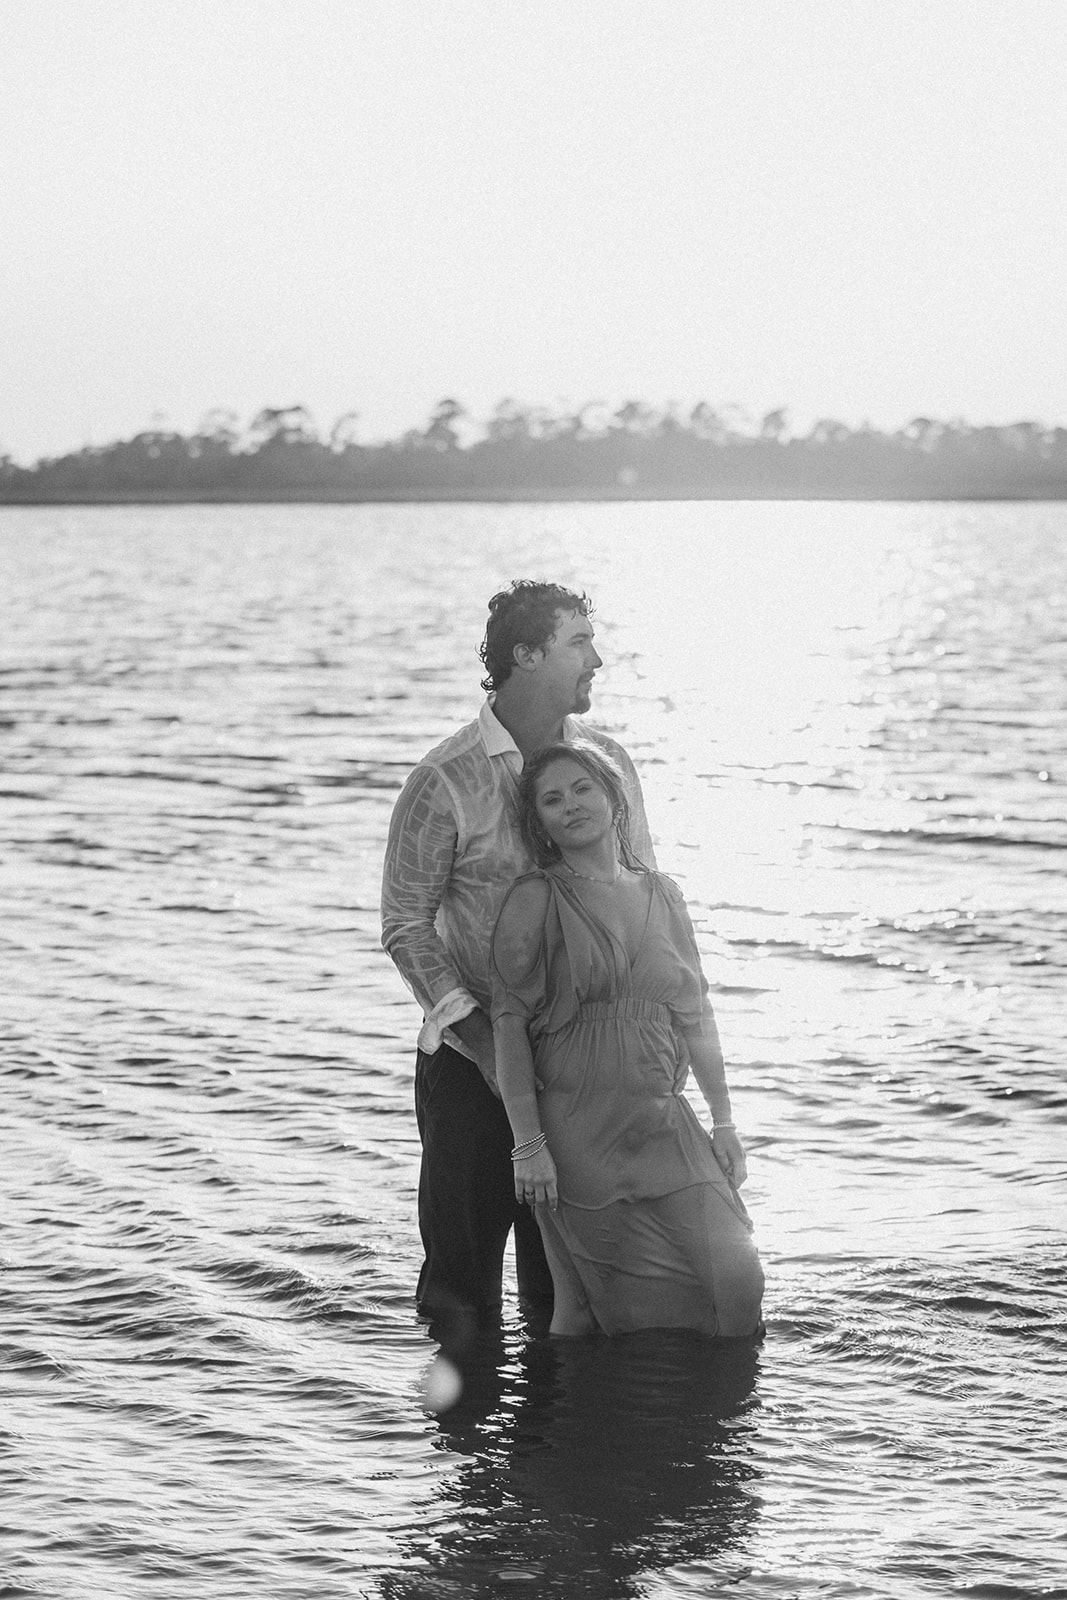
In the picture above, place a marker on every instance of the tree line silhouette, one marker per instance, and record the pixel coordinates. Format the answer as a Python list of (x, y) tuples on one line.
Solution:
[(634, 451)]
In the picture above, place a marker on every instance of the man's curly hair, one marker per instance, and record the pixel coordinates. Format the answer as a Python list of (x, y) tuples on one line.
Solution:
[(526, 612)]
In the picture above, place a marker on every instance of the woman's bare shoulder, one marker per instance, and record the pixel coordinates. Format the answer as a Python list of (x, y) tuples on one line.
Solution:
[(526, 901), (520, 927)]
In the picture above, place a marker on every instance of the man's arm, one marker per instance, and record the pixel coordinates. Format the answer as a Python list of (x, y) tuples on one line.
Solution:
[(418, 863)]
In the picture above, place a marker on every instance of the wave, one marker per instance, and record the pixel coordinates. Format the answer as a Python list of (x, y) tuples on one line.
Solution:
[(905, 840)]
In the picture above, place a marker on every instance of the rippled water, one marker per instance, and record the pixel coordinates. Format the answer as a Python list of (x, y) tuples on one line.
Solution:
[(852, 728)]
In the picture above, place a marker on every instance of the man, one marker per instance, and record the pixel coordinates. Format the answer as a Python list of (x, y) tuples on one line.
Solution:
[(454, 848)]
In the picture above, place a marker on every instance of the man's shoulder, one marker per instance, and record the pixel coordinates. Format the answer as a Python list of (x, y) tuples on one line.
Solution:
[(457, 745)]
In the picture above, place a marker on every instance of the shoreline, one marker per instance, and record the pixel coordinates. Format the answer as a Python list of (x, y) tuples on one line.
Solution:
[(481, 496)]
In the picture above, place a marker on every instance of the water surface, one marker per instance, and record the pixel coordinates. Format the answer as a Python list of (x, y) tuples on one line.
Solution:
[(850, 722)]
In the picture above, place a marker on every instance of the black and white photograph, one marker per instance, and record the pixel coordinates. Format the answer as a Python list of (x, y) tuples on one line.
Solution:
[(533, 799)]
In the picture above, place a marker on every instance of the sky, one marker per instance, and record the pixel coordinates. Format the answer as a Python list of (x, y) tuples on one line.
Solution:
[(850, 208)]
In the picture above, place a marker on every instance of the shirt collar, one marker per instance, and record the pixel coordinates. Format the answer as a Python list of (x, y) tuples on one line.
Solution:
[(495, 737), (498, 741)]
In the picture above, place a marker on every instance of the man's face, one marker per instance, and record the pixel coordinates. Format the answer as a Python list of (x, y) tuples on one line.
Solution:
[(567, 663)]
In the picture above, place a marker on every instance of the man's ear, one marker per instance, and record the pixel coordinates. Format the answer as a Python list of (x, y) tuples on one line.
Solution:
[(527, 657)]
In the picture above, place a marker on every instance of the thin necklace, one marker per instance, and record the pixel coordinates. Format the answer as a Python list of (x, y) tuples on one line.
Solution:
[(589, 877)]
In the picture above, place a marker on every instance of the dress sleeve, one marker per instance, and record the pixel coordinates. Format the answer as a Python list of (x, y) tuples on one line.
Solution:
[(687, 1007), (518, 954)]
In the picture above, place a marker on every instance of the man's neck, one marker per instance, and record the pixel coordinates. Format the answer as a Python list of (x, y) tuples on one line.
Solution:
[(530, 726)]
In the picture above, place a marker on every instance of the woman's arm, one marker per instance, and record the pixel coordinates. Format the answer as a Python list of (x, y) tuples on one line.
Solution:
[(535, 1176), (709, 1070), (517, 942)]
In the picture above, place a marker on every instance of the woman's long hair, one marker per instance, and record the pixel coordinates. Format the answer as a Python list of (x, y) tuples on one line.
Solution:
[(603, 771)]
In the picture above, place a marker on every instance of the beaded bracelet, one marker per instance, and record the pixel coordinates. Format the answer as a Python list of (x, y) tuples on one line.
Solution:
[(716, 1126), (532, 1147)]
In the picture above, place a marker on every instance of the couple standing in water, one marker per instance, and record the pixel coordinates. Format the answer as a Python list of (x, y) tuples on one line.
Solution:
[(564, 1007)]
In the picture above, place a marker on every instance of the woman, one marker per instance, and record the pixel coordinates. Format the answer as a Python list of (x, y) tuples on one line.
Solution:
[(598, 1000)]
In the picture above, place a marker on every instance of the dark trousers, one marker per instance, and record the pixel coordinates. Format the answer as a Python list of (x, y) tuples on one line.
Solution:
[(467, 1204)]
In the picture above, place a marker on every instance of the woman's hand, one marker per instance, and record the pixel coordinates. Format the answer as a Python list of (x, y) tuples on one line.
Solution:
[(730, 1154), (535, 1180)]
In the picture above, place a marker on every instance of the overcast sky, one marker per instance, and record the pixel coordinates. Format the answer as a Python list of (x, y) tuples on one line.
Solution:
[(853, 208)]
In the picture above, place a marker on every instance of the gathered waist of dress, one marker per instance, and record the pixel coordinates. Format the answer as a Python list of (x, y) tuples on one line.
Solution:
[(624, 1006)]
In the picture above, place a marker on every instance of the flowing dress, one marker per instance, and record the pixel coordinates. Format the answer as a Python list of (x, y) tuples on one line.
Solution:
[(649, 1232)]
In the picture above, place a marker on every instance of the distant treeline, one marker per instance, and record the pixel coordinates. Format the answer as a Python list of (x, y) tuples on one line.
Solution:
[(527, 453)]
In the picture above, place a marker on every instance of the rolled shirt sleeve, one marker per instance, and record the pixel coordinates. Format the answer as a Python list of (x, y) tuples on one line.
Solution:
[(453, 1008)]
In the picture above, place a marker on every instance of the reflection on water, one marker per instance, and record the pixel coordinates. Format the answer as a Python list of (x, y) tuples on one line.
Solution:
[(852, 732), (584, 1465)]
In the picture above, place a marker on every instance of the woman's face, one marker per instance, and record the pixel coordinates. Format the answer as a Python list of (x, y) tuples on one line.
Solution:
[(572, 806)]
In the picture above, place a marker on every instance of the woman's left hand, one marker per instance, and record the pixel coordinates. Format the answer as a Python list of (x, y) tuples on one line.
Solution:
[(535, 1180), (730, 1154)]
